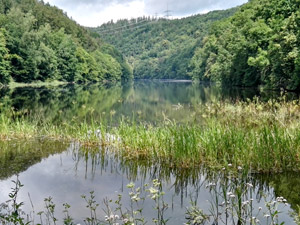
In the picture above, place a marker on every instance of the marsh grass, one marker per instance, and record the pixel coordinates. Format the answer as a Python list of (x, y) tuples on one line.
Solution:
[(255, 135)]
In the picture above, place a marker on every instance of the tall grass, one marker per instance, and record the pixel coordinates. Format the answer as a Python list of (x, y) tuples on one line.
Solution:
[(255, 135)]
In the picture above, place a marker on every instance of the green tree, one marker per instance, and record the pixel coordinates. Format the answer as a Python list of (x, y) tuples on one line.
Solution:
[(65, 49), (87, 67), (4, 59), (257, 45)]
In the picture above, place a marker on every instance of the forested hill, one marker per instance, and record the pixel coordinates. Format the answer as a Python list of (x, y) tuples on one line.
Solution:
[(160, 48), (259, 45), (39, 42)]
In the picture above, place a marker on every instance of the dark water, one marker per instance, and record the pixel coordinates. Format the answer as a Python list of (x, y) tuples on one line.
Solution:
[(150, 101), (65, 171)]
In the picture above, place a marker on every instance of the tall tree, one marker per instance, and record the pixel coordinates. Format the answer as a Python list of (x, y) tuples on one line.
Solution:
[(4, 59)]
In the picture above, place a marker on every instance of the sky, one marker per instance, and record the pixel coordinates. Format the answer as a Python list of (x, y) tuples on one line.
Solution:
[(93, 13)]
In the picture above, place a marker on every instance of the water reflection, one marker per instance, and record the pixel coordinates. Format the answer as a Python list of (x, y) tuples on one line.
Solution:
[(65, 171), (66, 175), (150, 101), (17, 156)]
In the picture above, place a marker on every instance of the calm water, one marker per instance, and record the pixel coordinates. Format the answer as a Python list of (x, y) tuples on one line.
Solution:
[(151, 101), (65, 171)]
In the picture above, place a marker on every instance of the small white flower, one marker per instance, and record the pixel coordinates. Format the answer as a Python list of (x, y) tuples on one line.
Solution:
[(249, 185), (210, 185), (153, 190), (111, 217), (245, 203)]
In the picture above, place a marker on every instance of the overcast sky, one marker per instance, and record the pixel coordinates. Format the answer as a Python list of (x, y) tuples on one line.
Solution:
[(95, 12)]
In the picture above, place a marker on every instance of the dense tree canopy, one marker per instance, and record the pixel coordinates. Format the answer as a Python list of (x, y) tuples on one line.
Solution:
[(39, 42), (258, 45), (4, 62), (255, 44), (159, 48)]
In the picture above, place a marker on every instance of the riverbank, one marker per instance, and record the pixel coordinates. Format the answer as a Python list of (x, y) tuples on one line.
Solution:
[(35, 84), (254, 135)]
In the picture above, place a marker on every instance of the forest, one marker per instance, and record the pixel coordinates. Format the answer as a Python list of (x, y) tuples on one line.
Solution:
[(39, 42), (159, 47), (153, 150), (258, 45), (251, 45)]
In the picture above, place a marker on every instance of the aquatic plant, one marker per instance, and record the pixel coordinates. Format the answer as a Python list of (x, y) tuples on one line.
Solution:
[(296, 216), (116, 212), (11, 210), (259, 136), (231, 203)]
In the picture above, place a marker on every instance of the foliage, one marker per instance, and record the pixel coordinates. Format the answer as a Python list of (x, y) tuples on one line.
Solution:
[(257, 45), (42, 44), (231, 194), (159, 48), (116, 212), (4, 61), (232, 202), (260, 136)]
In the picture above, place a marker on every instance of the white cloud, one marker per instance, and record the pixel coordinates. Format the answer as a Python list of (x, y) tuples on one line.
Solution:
[(96, 12)]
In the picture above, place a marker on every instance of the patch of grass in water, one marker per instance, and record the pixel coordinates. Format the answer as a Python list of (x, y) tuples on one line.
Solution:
[(259, 136)]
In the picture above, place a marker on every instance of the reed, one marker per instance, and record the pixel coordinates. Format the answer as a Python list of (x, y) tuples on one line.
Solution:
[(255, 135)]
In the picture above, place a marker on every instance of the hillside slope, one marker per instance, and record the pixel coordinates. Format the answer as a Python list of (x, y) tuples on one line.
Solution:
[(259, 45), (160, 48), (38, 42)]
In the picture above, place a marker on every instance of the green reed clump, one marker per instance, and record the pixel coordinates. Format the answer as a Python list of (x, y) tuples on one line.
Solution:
[(265, 149), (261, 136)]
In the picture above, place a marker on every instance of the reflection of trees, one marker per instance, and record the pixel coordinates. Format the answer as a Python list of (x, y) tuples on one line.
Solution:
[(67, 103), (188, 182), (5, 100), (286, 185), (150, 101), (18, 156)]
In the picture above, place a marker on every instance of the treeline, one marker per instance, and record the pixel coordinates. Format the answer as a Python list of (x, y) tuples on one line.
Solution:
[(259, 45), (39, 42), (160, 48)]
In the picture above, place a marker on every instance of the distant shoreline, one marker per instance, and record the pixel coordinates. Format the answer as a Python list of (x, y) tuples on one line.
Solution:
[(166, 80)]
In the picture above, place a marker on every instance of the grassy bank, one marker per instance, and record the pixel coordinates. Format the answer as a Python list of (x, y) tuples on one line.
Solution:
[(261, 136), (36, 84)]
